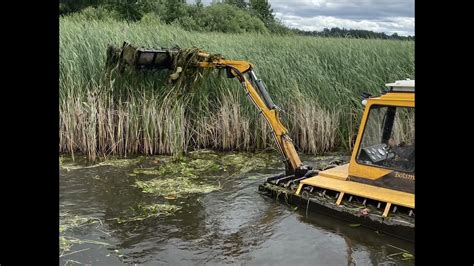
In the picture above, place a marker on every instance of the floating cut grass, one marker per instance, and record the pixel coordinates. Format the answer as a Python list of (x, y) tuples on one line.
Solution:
[(178, 178), (69, 222), (183, 166), (68, 164), (316, 81), (143, 212), (198, 173), (175, 187), (246, 162)]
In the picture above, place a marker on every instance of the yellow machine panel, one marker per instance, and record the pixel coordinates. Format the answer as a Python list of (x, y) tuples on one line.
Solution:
[(339, 172), (367, 191)]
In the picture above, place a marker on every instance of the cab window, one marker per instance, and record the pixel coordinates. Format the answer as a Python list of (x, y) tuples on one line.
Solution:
[(388, 139)]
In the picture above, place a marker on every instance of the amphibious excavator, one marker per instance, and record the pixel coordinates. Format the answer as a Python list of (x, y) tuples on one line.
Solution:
[(376, 188)]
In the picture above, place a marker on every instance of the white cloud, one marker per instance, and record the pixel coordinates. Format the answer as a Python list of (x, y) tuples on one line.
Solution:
[(361, 9), (387, 16), (401, 25)]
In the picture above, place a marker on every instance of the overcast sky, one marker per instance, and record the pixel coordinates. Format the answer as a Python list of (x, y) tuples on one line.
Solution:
[(387, 16)]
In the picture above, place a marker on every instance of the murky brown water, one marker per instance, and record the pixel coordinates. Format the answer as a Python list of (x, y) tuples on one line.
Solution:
[(232, 225)]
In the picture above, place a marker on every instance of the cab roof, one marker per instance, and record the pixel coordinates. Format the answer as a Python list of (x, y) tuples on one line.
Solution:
[(407, 85)]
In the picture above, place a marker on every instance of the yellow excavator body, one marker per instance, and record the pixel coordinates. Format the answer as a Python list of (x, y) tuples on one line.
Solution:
[(343, 173), (375, 188)]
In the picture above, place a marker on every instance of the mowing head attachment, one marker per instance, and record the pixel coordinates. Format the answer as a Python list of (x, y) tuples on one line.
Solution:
[(183, 62), (140, 58)]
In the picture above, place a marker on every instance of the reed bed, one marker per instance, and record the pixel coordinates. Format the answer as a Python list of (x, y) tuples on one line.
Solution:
[(316, 81)]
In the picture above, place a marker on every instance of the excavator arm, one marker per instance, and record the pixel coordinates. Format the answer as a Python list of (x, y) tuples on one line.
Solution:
[(255, 89), (258, 94)]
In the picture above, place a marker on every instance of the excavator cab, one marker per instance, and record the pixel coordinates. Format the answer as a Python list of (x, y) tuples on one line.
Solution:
[(384, 153), (377, 187)]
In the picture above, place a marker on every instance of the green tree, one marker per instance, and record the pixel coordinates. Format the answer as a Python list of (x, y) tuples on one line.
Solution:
[(174, 10), (69, 6), (263, 10), (199, 3), (238, 3), (155, 6), (223, 18), (128, 9)]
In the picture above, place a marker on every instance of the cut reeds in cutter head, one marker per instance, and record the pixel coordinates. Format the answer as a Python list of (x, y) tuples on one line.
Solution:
[(140, 58), (184, 63)]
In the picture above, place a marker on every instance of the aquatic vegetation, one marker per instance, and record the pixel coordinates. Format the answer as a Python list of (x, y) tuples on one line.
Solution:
[(196, 173), (70, 164), (403, 254), (204, 165), (178, 167), (121, 162), (246, 162), (64, 244), (175, 187), (69, 222), (144, 171), (142, 212), (184, 166)]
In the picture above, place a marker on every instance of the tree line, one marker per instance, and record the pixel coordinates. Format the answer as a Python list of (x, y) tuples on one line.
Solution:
[(230, 16), (351, 33)]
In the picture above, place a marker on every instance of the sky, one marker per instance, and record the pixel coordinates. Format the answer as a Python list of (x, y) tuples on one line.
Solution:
[(389, 16)]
